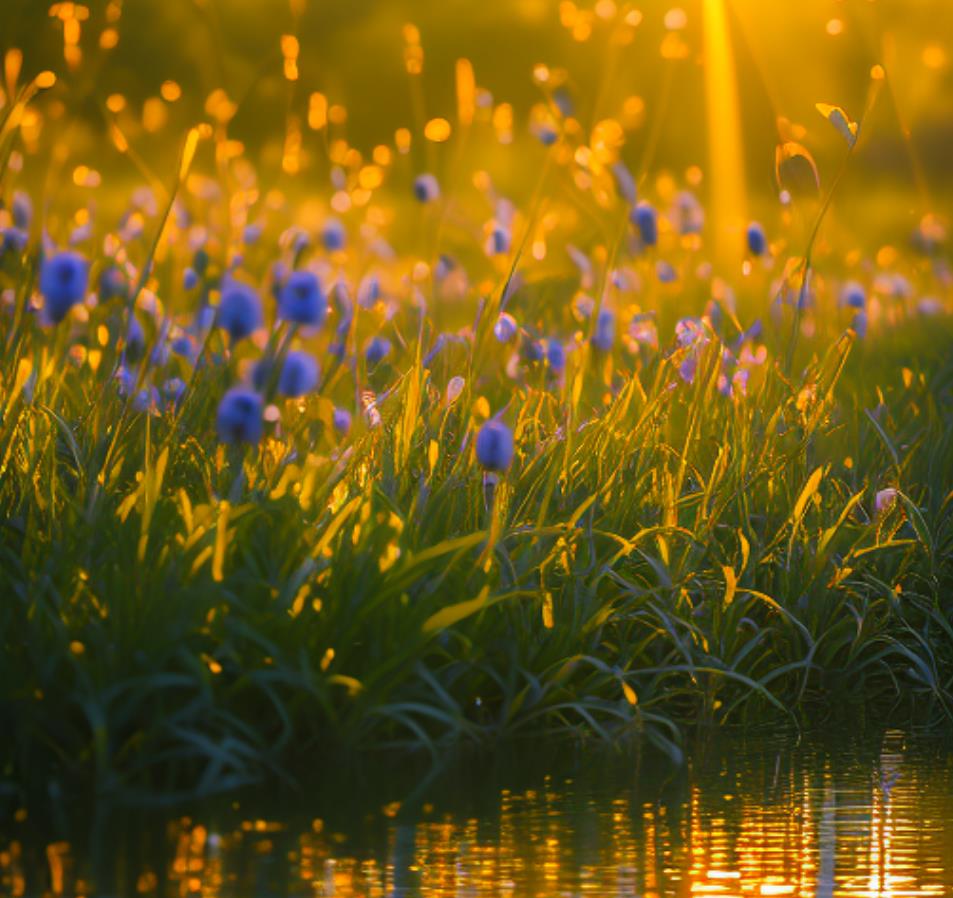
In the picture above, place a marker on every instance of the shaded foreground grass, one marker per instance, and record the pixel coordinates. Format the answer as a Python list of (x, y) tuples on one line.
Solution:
[(178, 614)]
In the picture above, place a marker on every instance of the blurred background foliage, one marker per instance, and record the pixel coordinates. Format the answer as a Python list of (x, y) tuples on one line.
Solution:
[(788, 56)]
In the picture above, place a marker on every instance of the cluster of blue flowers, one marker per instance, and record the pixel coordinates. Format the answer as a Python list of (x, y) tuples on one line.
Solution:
[(307, 290)]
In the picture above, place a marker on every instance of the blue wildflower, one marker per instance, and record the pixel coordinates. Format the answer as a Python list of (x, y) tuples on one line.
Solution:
[(505, 328), (190, 279), (645, 218), (112, 283), (753, 332), (160, 353), (688, 367), (583, 306), (173, 390), (435, 350), (563, 101), (300, 243), (853, 295), (146, 400), (13, 240), (261, 371), (338, 346), (135, 340), (240, 416), (279, 274), (757, 242), (604, 334), (445, 264), (533, 351), (426, 188), (368, 291), (665, 272), (624, 182), (739, 382), (498, 242), (342, 302), (688, 213), (333, 235), (22, 209), (494, 446), (204, 319), (239, 311), (546, 134), (556, 355), (377, 349), (859, 324), (125, 381), (252, 234), (715, 314), (341, 420), (63, 280), (302, 300), (804, 298), (688, 331), (299, 376)]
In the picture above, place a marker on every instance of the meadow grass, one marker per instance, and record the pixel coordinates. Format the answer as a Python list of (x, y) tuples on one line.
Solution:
[(732, 525), (175, 609)]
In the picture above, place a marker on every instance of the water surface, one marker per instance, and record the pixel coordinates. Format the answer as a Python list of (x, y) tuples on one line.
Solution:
[(766, 816)]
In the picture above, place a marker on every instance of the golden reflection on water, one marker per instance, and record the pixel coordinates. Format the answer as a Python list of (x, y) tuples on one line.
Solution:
[(767, 824)]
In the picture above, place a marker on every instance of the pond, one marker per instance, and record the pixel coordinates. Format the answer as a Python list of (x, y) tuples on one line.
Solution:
[(759, 816)]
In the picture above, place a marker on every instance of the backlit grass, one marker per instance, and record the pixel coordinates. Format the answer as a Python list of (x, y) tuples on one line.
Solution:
[(727, 499)]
